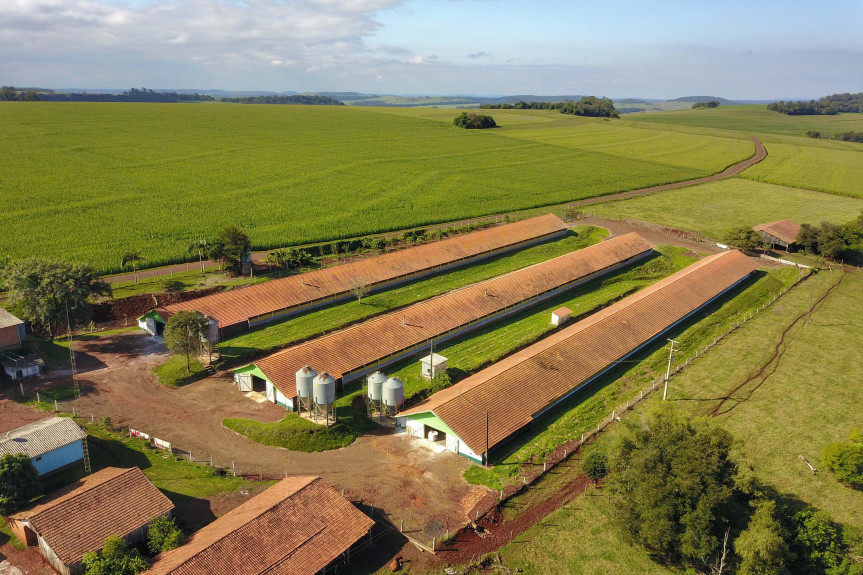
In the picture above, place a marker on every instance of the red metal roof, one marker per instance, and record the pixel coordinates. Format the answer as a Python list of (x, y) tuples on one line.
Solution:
[(297, 526), (518, 388), (78, 518), (239, 305), (341, 352), (785, 230)]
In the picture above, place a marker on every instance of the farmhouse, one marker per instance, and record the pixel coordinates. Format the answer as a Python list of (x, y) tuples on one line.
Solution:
[(484, 410), (51, 444), (782, 233), (299, 525), (77, 519), (364, 348), (240, 310), (11, 331)]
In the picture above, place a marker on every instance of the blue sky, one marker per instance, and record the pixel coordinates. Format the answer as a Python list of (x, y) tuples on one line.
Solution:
[(658, 49)]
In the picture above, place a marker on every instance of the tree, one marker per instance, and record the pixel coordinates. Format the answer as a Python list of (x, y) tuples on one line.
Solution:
[(742, 238), (45, 290), (164, 534), (761, 546), (133, 258), (116, 558), (845, 459), (184, 333), (473, 121), (200, 247), (233, 245), (289, 257), (672, 477), (818, 541), (595, 465), (359, 287), (19, 482)]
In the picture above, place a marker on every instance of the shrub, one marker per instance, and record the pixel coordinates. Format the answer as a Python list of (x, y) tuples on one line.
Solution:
[(474, 121), (595, 465), (164, 535)]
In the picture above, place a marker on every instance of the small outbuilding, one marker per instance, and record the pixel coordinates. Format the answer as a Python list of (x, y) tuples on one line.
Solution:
[(17, 366), (77, 519), (299, 525), (432, 365), (52, 444), (782, 233), (11, 331), (560, 316)]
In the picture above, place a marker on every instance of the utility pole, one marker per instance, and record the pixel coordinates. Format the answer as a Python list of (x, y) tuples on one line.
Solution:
[(668, 371)]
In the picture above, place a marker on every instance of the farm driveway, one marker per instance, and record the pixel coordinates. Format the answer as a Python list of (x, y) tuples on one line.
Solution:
[(389, 471)]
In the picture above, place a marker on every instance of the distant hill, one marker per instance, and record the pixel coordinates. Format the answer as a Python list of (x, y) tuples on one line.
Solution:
[(703, 99)]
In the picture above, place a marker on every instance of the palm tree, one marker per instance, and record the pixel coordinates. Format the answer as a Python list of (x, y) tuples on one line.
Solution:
[(133, 258), (201, 246)]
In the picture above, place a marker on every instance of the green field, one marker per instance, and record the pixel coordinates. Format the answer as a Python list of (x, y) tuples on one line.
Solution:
[(91, 181), (712, 209), (793, 158)]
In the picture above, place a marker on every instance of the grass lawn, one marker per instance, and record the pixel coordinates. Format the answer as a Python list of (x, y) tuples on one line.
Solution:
[(175, 372), (714, 208), (235, 350), (811, 399)]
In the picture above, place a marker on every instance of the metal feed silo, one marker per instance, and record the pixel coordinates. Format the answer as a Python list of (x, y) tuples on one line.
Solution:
[(376, 384), (305, 379), (323, 396), (393, 395)]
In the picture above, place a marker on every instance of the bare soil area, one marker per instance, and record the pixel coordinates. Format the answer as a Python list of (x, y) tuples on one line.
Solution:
[(392, 472)]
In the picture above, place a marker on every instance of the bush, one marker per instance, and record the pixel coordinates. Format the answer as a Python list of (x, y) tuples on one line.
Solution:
[(473, 121), (845, 460), (19, 482), (116, 558), (164, 535), (595, 465)]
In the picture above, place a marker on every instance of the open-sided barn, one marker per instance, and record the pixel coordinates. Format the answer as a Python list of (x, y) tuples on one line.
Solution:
[(484, 410), (78, 518), (371, 345), (243, 309), (781, 233), (51, 444), (299, 525)]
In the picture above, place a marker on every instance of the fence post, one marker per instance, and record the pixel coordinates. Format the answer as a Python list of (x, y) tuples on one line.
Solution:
[(21, 384), (37, 398), (55, 405)]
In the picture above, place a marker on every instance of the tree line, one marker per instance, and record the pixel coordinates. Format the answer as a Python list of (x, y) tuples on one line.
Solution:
[(132, 95), (828, 105), (710, 104), (306, 99), (679, 492), (10, 94), (586, 106), (843, 137)]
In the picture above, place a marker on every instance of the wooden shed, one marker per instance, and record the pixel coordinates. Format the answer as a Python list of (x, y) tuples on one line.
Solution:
[(11, 331), (782, 233), (52, 444), (77, 519)]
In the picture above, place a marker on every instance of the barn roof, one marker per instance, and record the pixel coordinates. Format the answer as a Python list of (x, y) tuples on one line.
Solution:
[(239, 305), (515, 390), (341, 352), (7, 319), (78, 518), (297, 526), (785, 230), (41, 436)]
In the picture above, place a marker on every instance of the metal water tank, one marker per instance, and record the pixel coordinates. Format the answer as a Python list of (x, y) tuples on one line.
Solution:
[(393, 394), (376, 386), (305, 379), (324, 389)]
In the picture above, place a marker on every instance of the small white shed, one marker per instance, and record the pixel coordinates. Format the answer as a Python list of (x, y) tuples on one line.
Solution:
[(432, 365), (560, 316), (18, 367)]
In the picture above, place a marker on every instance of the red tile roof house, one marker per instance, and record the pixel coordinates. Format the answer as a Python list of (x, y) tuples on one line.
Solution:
[(78, 518), (300, 525)]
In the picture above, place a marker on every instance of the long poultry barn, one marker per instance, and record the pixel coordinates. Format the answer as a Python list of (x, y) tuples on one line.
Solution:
[(240, 310), (361, 349), (487, 408)]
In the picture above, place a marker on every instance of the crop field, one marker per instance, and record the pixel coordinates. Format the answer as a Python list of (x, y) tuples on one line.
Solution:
[(89, 181), (794, 159), (712, 209)]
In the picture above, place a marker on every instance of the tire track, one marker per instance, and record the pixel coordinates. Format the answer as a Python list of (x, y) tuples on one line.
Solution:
[(776, 358)]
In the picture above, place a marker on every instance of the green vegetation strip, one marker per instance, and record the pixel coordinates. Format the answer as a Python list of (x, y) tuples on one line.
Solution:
[(298, 174), (234, 350)]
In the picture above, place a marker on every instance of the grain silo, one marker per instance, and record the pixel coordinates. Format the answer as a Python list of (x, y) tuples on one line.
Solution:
[(393, 395), (324, 396), (375, 392), (305, 385)]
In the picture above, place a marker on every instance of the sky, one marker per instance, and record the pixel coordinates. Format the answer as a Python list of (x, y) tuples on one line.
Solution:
[(659, 49)]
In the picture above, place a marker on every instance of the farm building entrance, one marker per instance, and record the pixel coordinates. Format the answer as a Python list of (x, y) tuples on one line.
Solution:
[(433, 434)]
